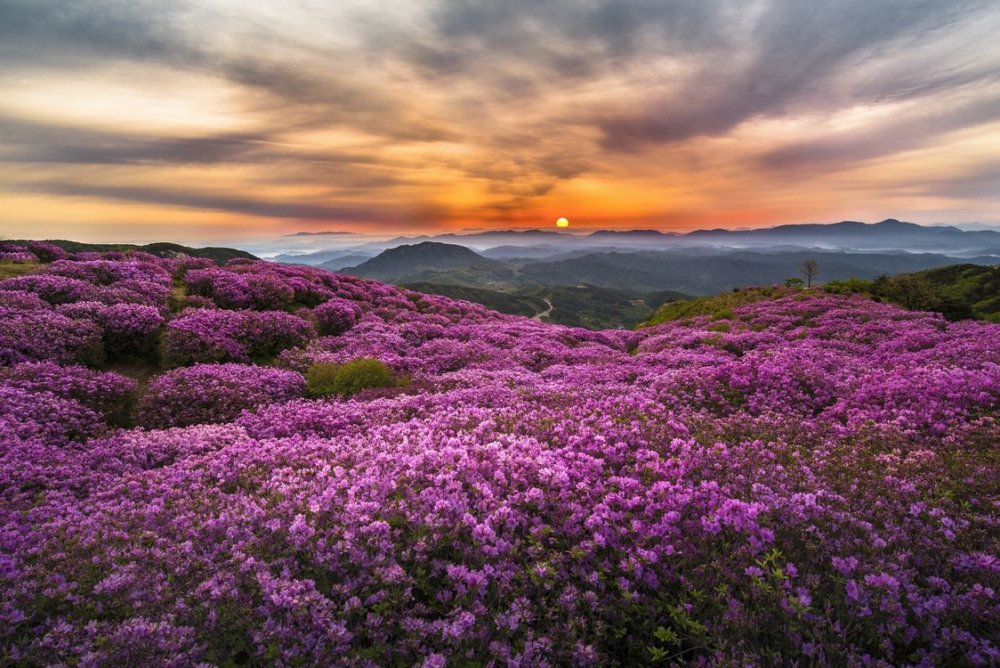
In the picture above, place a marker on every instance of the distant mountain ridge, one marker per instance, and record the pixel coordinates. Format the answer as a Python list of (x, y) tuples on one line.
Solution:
[(887, 235), (421, 262), (893, 231), (220, 255), (637, 272)]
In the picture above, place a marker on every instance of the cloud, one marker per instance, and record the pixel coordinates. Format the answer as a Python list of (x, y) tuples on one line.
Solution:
[(234, 203), (979, 182), (838, 150), (72, 34), (466, 109), (796, 56), (39, 143)]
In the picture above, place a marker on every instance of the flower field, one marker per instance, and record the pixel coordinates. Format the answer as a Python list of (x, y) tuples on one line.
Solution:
[(805, 480)]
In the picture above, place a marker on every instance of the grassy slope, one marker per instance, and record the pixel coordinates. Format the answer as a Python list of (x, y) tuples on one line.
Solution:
[(959, 291), (719, 306), (493, 299), (591, 307), (574, 306), (10, 269), (975, 285)]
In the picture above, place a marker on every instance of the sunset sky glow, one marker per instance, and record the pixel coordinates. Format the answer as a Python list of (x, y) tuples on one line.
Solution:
[(227, 119)]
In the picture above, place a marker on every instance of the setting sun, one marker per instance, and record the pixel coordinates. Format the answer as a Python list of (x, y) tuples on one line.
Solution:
[(562, 222)]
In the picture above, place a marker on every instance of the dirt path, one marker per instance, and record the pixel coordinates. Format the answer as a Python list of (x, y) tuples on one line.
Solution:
[(544, 314)]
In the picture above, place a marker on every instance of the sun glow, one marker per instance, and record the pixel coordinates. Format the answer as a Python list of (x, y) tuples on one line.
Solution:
[(562, 222)]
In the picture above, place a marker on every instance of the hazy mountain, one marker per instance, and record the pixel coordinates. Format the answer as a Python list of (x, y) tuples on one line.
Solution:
[(517, 252), (319, 257), (344, 261), (692, 271), (631, 235), (890, 234), (887, 235), (425, 261), (490, 239), (645, 271)]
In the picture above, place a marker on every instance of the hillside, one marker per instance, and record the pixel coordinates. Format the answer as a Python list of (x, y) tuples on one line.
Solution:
[(424, 262), (702, 274), (159, 249), (718, 307), (342, 262), (887, 236), (638, 273), (316, 258), (573, 306), (514, 304), (262, 464), (958, 291), (975, 286)]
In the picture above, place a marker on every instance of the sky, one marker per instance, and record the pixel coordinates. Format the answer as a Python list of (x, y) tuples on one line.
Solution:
[(139, 120)]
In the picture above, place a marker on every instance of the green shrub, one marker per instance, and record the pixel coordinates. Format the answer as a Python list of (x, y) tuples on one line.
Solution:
[(325, 379)]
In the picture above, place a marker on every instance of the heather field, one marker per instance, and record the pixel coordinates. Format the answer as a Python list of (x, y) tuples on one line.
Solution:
[(269, 465)]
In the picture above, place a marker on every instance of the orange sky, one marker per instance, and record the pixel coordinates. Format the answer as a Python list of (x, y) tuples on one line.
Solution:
[(227, 119)]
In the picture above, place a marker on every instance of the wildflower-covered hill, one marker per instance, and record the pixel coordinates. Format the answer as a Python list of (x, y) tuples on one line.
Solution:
[(325, 470)]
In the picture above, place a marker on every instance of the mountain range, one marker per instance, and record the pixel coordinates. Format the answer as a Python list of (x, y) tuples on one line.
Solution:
[(887, 235), (636, 272), (617, 277)]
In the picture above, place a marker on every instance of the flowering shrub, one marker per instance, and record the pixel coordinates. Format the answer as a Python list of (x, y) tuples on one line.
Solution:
[(805, 478), (27, 415), (107, 271), (127, 329), (18, 257), (336, 316), (211, 335), (231, 290), (226, 289), (28, 335), (46, 252), (16, 299), (208, 393), (204, 335), (106, 393), (135, 291), (53, 289)]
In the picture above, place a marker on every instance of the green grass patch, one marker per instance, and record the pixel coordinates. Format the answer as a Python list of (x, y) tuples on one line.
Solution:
[(326, 379), (13, 269)]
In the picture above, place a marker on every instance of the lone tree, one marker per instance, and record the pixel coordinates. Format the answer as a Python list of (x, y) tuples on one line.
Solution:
[(810, 270)]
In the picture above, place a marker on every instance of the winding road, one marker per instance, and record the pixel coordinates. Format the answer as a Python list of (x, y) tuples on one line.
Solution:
[(545, 313)]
